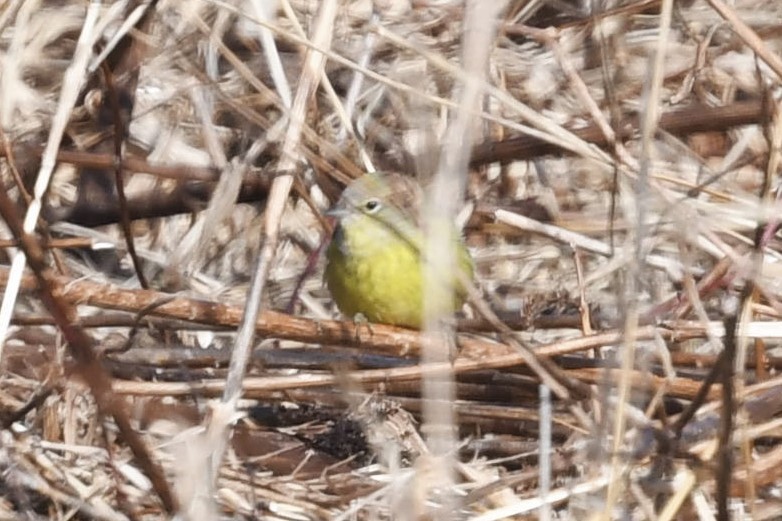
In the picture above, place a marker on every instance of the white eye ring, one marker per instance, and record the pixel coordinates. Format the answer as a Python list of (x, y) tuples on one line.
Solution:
[(372, 205)]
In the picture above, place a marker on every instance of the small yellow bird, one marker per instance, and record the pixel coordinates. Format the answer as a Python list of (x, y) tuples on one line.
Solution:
[(374, 263)]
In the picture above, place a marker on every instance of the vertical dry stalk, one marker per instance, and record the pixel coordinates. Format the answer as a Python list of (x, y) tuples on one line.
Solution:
[(74, 79), (446, 189), (278, 196), (649, 126)]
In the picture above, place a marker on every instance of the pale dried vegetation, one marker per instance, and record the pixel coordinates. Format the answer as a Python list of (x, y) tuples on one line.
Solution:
[(621, 160)]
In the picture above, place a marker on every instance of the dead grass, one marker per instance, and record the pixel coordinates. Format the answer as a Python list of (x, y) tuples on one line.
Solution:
[(621, 174)]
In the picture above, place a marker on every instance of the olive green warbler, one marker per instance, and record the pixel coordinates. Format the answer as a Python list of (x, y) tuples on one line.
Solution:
[(374, 261)]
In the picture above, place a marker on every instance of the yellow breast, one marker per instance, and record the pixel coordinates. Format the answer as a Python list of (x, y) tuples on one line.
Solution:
[(373, 272)]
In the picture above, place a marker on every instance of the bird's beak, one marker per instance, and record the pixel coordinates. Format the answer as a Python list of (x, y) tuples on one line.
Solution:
[(338, 211)]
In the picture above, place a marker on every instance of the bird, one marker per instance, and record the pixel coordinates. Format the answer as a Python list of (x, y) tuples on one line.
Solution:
[(374, 266)]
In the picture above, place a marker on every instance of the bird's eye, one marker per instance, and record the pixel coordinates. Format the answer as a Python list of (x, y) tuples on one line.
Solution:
[(372, 205)]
